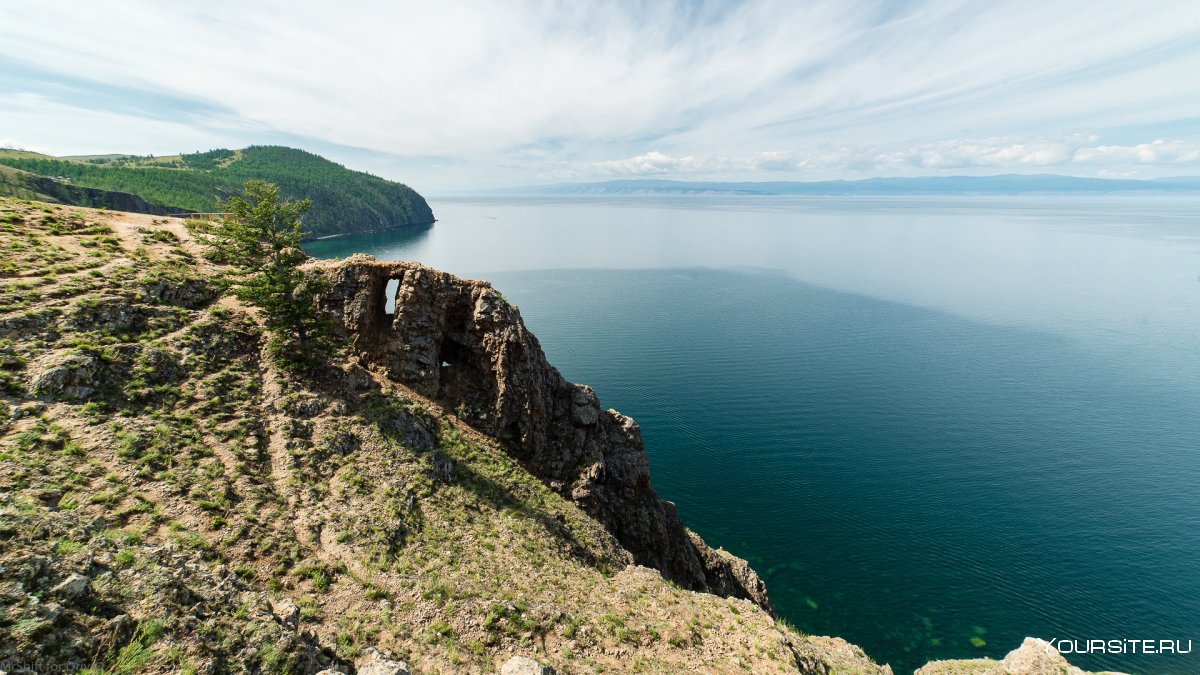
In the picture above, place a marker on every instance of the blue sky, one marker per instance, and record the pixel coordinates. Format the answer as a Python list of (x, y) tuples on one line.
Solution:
[(447, 95)]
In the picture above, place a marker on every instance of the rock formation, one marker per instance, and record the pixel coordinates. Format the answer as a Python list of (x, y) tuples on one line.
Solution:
[(461, 343), (1033, 657), (437, 498)]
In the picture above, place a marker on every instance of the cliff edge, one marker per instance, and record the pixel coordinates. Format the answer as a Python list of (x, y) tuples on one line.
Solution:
[(434, 498), (461, 344)]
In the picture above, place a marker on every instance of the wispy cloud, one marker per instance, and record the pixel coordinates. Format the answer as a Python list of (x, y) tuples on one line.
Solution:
[(657, 163), (506, 92), (1072, 153), (1158, 153)]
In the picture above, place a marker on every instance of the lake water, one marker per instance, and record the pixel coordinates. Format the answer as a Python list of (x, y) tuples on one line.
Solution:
[(934, 425)]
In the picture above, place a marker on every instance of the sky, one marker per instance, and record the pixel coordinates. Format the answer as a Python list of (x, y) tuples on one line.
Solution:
[(450, 95)]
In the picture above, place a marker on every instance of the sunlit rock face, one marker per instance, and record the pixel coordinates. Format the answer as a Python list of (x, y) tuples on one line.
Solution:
[(461, 343)]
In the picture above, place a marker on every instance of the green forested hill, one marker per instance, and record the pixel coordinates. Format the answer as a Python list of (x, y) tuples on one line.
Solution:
[(344, 201)]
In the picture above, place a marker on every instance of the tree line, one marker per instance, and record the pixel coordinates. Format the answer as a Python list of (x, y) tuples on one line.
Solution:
[(342, 201)]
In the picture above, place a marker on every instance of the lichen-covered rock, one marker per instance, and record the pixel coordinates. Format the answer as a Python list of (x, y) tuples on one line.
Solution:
[(459, 342), (188, 292), (40, 324), (72, 376), (110, 313)]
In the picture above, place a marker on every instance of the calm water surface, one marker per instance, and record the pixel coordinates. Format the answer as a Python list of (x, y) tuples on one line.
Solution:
[(934, 425)]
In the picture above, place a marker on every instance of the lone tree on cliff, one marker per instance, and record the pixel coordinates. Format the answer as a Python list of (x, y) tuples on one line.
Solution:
[(261, 237)]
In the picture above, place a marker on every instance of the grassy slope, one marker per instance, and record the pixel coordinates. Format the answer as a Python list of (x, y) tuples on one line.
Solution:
[(13, 184), (344, 201), (145, 444)]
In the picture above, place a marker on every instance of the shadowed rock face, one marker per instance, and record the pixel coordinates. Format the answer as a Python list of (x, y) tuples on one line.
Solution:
[(461, 343), (95, 197)]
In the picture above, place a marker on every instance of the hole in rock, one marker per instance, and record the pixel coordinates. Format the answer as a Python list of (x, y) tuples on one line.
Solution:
[(452, 357), (389, 296)]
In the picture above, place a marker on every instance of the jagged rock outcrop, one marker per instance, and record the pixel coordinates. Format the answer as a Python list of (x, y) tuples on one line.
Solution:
[(461, 343), (817, 655), (1033, 657), (70, 376)]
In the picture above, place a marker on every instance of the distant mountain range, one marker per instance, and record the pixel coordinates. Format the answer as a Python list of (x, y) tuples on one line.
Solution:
[(1007, 184), (343, 201)]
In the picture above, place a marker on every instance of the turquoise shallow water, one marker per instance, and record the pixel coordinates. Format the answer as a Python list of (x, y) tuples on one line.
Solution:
[(922, 421)]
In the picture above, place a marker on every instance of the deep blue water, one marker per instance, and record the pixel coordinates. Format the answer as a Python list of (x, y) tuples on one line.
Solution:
[(922, 420)]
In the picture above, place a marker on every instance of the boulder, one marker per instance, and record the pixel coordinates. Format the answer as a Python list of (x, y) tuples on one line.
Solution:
[(375, 663), (74, 376), (287, 612), (523, 665), (72, 587)]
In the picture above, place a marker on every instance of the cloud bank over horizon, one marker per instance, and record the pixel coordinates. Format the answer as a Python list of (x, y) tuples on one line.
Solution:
[(1072, 155), (455, 95)]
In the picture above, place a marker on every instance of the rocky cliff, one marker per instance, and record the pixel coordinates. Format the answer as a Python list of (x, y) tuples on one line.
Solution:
[(434, 499), (460, 343)]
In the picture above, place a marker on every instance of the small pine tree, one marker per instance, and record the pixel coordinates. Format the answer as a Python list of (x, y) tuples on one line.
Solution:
[(261, 237)]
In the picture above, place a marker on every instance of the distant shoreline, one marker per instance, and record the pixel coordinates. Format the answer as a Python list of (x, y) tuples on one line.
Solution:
[(375, 231), (944, 186)]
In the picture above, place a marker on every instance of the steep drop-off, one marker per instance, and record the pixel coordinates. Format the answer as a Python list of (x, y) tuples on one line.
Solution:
[(460, 343), (435, 498)]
